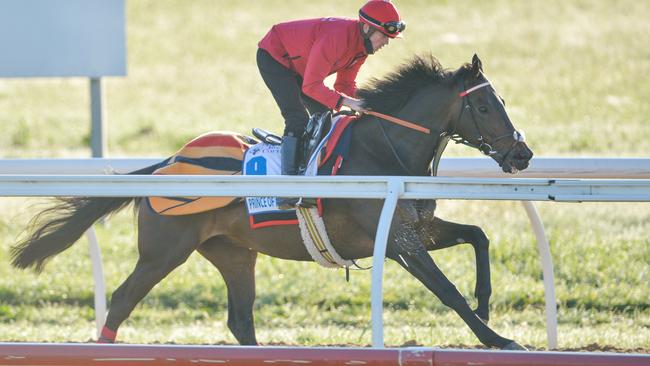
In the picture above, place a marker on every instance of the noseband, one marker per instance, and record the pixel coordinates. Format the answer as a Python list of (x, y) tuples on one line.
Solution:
[(482, 145)]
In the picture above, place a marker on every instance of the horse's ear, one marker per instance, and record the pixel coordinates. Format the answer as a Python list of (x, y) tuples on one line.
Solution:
[(477, 66)]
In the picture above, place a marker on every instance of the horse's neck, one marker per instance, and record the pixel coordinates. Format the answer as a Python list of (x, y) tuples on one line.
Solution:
[(371, 153)]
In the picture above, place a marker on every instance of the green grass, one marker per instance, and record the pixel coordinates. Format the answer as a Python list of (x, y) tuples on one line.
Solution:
[(601, 266), (573, 74)]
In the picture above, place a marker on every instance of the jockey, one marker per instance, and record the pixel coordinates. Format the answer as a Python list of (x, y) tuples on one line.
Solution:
[(295, 57)]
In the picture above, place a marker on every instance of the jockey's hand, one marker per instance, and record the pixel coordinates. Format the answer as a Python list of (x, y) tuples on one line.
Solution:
[(356, 105)]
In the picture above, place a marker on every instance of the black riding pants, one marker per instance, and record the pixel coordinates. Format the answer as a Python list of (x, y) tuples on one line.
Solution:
[(286, 87)]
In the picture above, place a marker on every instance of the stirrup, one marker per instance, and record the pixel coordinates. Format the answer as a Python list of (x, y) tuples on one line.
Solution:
[(307, 202), (286, 203)]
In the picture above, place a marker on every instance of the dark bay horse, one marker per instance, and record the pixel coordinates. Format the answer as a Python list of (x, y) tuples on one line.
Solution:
[(461, 105)]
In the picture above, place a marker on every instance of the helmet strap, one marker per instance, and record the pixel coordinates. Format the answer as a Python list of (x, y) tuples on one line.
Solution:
[(368, 45), (366, 32)]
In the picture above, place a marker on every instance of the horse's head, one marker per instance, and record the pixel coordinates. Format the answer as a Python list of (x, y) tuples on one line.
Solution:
[(484, 124), (460, 105)]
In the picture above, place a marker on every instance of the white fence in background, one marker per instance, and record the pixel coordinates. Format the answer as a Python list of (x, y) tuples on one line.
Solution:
[(582, 168), (17, 179)]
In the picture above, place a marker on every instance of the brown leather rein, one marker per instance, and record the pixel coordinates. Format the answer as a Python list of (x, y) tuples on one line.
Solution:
[(415, 126), (399, 121)]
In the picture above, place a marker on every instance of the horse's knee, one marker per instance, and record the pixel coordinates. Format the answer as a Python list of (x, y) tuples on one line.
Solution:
[(478, 238)]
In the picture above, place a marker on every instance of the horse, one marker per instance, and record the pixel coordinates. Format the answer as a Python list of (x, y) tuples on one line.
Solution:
[(461, 105)]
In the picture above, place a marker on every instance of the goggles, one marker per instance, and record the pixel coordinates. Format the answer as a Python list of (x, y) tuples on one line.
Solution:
[(393, 27)]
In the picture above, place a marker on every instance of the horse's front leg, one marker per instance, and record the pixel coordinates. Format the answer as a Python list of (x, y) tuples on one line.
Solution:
[(441, 234), (406, 249)]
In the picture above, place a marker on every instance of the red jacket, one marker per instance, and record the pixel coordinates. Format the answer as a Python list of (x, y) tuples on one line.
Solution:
[(317, 48)]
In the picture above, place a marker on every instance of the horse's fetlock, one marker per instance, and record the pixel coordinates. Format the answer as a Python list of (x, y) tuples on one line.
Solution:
[(243, 330)]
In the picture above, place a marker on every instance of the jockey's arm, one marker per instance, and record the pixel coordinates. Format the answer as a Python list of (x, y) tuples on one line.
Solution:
[(324, 53), (346, 78), (347, 85)]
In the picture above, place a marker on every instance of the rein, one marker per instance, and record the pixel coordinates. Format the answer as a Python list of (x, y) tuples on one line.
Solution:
[(444, 137), (400, 122), (392, 149), (482, 145)]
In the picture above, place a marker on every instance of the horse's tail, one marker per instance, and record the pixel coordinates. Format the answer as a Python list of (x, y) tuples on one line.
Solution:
[(58, 227)]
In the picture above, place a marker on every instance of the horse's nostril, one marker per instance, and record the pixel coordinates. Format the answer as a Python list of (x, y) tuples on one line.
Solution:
[(524, 155)]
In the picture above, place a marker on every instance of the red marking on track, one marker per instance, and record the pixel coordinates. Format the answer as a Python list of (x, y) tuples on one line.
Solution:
[(72, 354)]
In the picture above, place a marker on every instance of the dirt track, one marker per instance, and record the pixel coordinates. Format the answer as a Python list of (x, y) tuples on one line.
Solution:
[(588, 348)]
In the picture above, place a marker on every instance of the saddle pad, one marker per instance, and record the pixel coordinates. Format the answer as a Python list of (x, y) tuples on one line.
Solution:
[(265, 159), (221, 153), (214, 153)]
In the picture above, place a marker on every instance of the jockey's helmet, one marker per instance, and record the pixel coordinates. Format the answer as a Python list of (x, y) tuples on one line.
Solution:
[(383, 16)]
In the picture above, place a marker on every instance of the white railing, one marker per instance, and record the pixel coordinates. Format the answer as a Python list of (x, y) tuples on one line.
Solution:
[(389, 188), (583, 168)]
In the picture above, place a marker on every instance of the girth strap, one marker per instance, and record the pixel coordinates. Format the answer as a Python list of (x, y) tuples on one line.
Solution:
[(316, 240)]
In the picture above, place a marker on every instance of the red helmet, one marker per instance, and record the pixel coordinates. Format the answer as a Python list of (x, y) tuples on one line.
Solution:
[(383, 16)]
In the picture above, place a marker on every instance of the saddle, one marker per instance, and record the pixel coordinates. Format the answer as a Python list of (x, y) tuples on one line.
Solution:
[(317, 127), (222, 153)]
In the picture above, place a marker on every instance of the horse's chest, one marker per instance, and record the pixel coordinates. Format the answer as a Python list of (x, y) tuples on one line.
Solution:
[(349, 238)]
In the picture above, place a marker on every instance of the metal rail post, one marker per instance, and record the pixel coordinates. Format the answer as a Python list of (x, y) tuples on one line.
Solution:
[(547, 271), (98, 276), (395, 188)]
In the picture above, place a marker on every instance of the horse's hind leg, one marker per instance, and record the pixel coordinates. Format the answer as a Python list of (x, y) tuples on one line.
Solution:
[(447, 234), (164, 243), (237, 266)]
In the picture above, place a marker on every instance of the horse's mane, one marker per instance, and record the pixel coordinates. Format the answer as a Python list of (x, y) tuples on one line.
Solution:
[(392, 91)]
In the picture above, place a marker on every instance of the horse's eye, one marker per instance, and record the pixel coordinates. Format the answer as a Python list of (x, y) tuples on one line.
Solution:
[(483, 109)]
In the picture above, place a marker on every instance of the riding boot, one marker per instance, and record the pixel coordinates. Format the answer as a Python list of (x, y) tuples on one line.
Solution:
[(289, 152)]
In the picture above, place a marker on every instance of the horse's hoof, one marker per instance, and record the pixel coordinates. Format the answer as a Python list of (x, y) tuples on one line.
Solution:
[(514, 346)]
